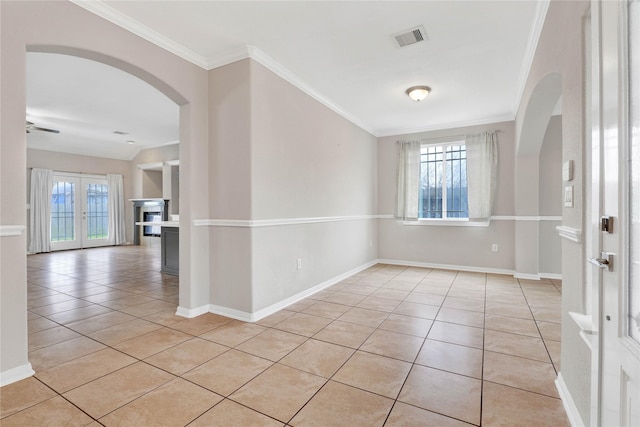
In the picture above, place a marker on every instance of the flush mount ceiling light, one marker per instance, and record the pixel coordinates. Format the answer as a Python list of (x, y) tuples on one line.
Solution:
[(418, 93)]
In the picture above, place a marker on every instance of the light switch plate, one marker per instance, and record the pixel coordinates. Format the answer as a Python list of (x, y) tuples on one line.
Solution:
[(567, 170), (568, 196)]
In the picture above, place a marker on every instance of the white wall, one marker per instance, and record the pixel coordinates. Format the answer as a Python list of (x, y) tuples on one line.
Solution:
[(281, 155), (561, 51), (151, 155), (452, 246), (306, 162), (550, 199)]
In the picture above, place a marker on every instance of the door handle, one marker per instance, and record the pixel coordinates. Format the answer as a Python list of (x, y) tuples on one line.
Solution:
[(605, 261)]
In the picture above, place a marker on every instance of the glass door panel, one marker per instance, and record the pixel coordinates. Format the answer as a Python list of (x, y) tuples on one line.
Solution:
[(95, 212), (65, 213)]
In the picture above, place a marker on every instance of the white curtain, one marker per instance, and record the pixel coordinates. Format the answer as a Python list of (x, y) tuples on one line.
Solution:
[(482, 166), (117, 232), (408, 180), (40, 210)]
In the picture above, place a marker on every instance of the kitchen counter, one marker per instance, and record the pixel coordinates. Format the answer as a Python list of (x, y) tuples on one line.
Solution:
[(160, 223)]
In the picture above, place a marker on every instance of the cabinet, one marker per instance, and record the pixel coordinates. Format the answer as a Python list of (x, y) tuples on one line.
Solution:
[(170, 247)]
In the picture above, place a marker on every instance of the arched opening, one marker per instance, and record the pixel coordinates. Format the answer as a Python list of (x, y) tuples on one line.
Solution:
[(538, 180), (105, 164)]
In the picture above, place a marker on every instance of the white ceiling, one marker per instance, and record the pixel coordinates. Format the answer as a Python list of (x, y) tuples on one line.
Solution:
[(87, 101), (476, 58)]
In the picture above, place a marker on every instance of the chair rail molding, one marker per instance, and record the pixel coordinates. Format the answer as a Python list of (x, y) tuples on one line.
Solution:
[(569, 233), (11, 230)]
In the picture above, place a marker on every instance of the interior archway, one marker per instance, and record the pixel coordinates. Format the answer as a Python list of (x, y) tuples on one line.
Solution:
[(542, 103)]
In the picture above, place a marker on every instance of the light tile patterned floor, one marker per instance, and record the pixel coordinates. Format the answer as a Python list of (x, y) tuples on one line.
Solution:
[(392, 346)]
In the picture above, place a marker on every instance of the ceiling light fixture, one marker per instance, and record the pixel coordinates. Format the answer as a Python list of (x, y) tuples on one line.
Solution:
[(418, 93), (131, 142)]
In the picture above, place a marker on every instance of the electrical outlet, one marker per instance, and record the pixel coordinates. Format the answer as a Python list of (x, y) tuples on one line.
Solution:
[(494, 247), (299, 263)]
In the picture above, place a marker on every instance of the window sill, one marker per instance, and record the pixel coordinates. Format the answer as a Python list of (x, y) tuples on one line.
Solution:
[(452, 222)]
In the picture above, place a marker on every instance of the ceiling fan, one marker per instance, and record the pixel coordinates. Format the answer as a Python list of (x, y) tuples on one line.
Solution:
[(31, 126)]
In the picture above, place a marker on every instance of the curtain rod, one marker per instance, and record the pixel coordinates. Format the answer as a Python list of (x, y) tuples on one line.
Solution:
[(75, 173), (451, 136)]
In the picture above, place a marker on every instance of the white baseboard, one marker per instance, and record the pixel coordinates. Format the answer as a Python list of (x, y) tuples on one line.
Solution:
[(267, 311), (526, 276), (273, 308), (16, 374), (447, 266), (232, 313), (537, 276), (567, 401), (192, 312)]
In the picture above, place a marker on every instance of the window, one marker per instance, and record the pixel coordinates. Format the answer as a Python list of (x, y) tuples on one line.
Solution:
[(448, 181), (443, 181)]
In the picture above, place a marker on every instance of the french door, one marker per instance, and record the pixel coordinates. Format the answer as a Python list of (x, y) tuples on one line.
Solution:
[(616, 199), (79, 212)]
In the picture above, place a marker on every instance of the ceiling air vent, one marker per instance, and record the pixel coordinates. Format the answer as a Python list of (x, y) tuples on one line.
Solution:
[(411, 36)]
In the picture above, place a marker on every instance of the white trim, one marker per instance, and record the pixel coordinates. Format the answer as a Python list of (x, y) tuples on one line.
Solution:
[(526, 276), (172, 162), (484, 121), (526, 218), (446, 266), (11, 230), (567, 401), (277, 222), (276, 68), (532, 43), (230, 58), (571, 234), (452, 222), (150, 166), (232, 313), (555, 276), (273, 308), (135, 27), (192, 312), (587, 331), (11, 376), (498, 218), (247, 223)]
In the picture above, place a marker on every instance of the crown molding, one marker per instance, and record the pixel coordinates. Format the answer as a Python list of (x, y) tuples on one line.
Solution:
[(277, 68), (542, 7), (445, 126), (229, 58), (112, 15), (99, 8)]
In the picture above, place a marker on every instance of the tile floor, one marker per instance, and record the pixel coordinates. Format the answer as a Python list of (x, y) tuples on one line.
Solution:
[(392, 346)]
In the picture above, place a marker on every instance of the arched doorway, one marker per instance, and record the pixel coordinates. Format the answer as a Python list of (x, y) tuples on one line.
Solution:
[(528, 168), (67, 29)]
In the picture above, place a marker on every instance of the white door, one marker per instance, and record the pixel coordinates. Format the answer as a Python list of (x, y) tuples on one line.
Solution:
[(616, 171), (79, 212)]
